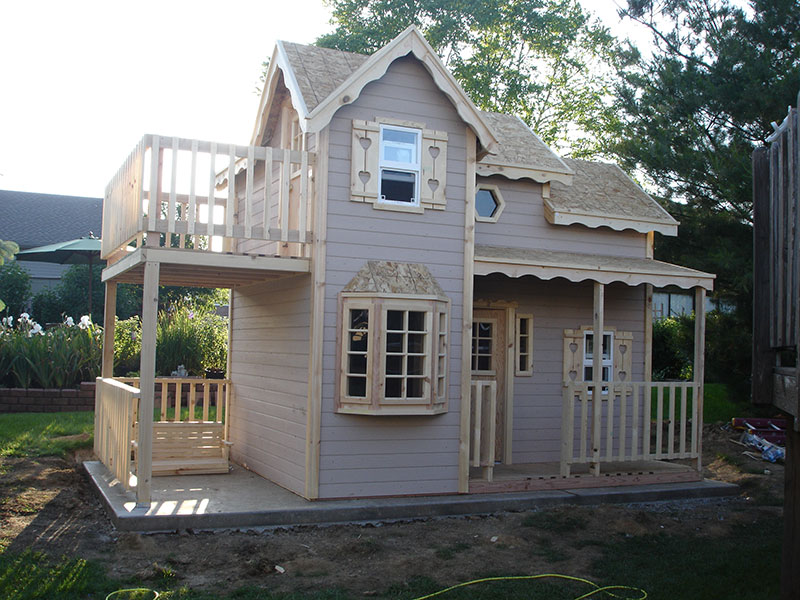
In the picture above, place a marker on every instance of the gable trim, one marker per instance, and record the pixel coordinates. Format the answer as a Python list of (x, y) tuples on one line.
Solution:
[(615, 222), (411, 41)]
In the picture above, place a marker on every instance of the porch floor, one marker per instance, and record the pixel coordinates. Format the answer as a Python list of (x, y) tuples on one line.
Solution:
[(547, 476), (243, 500)]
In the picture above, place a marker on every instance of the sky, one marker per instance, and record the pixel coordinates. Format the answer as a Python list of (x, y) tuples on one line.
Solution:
[(83, 80)]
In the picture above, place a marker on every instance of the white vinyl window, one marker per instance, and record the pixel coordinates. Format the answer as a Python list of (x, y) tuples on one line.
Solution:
[(399, 165), (607, 355)]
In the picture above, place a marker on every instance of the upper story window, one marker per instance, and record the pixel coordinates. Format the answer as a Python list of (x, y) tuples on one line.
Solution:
[(399, 164)]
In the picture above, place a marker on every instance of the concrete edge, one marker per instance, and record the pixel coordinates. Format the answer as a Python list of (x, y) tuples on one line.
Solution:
[(321, 512)]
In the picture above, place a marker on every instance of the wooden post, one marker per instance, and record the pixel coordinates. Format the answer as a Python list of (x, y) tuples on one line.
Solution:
[(147, 372), (763, 355), (698, 368), (598, 326), (466, 313), (107, 369)]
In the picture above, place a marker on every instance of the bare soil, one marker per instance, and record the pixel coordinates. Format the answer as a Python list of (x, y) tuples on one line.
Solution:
[(46, 504)]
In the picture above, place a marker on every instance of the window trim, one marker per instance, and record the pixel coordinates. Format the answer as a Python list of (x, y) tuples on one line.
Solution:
[(401, 167), (518, 354), (436, 355), (486, 372), (588, 359), (501, 204)]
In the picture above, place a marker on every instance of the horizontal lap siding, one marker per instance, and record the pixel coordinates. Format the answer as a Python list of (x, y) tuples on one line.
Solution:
[(269, 369), (377, 456), (522, 225), (557, 305)]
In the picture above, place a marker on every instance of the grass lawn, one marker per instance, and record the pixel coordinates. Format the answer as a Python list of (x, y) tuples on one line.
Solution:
[(45, 434)]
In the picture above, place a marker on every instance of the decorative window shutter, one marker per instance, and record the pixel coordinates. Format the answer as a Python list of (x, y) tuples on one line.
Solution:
[(573, 355), (364, 161), (623, 348), (434, 169)]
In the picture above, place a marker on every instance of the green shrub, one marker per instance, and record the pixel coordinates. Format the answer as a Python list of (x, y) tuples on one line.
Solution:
[(59, 357), (15, 283), (187, 335), (673, 348), (47, 306)]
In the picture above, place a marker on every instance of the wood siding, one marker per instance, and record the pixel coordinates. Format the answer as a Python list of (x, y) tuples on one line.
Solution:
[(269, 370), (370, 455), (522, 225), (557, 305)]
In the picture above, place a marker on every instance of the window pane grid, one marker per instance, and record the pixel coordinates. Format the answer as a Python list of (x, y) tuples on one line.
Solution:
[(482, 346), (406, 359), (357, 352), (524, 346)]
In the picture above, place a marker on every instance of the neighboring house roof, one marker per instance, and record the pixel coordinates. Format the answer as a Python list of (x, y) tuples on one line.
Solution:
[(574, 266), (32, 219), (602, 195), (521, 153)]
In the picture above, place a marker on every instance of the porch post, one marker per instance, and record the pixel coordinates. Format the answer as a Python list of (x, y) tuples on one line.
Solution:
[(698, 368), (109, 325), (147, 374), (598, 326)]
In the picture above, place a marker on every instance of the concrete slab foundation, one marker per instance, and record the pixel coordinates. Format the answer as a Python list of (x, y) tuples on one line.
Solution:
[(243, 500)]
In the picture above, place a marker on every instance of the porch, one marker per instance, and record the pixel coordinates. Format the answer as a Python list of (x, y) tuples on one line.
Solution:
[(190, 213)]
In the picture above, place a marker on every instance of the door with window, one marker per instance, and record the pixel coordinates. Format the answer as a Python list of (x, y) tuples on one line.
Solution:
[(489, 343)]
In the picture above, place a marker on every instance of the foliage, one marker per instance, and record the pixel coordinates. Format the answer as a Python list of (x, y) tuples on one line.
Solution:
[(43, 434), (546, 61), (694, 111), (7, 251), (186, 334), (60, 357), (728, 350), (71, 297), (15, 283)]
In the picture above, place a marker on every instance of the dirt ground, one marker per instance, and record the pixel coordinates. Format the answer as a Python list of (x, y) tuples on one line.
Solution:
[(46, 504)]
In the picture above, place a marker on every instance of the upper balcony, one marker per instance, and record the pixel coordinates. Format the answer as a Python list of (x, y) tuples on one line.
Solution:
[(206, 210)]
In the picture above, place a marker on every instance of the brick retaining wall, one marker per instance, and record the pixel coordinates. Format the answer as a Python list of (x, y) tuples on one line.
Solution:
[(38, 400)]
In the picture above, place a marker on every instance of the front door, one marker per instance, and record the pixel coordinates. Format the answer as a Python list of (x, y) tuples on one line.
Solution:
[(489, 363)]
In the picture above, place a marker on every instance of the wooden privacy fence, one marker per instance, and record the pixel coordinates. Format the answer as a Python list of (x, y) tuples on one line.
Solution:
[(191, 190), (483, 414), (115, 414), (634, 421)]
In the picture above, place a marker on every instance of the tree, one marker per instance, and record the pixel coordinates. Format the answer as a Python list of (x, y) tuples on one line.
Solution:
[(7, 252), (694, 111), (546, 61), (15, 283)]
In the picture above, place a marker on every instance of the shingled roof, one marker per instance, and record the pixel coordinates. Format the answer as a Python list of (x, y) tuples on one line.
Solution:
[(602, 194), (319, 71), (32, 219)]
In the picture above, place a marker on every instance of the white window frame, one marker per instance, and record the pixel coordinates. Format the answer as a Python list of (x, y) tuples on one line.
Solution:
[(606, 362), (523, 361), (415, 167)]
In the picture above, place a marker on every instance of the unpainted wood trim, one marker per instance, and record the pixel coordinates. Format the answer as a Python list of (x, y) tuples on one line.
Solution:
[(230, 391), (648, 332), (483, 303), (617, 223), (487, 169), (409, 41), (466, 312), (317, 317), (498, 196), (517, 371), (598, 325), (508, 426)]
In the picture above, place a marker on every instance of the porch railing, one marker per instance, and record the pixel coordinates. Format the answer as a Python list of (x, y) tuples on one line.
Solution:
[(205, 400), (114, 417), (190, 191), (483, 417), (634, 421)]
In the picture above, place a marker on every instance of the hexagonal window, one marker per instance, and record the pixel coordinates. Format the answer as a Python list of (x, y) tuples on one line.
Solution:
[(488, 203)]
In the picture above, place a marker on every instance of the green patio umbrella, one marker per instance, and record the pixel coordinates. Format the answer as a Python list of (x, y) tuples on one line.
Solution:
[(82, 251)]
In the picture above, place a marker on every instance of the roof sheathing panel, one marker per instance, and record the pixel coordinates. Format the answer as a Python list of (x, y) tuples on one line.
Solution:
[(602, 194)]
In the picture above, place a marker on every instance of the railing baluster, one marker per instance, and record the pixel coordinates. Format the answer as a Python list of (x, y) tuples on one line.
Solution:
[(154, 204), (206, 392), (695, 417), (267, 192), (567, 429), (609, 421), (302, 225), (623, 420), (173, 189), (248, 194), (584, 422), (684, 393), (635, 429), (192, 401), (286, 175), (191, 216), (671, 438), (659, 420), (212, 191), (230, 205)]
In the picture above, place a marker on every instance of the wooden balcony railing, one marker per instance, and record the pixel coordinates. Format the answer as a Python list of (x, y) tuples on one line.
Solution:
[(483, 417), (634, 421), (190, 192), (114, 418)]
